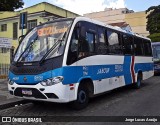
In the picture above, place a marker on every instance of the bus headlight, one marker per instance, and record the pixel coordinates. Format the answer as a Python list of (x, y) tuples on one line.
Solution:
[(10, 82), (52, 81)]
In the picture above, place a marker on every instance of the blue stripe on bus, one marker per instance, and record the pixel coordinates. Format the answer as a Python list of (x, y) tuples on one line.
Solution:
[(143, 67), (127, 73), (31, 79), (73, 74)]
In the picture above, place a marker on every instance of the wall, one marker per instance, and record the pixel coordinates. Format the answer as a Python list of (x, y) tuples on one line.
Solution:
[(137, 20), (109, 16), (138, 23)]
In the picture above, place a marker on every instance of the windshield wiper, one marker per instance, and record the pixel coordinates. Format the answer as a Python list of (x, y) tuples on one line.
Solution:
[(58, 42), (31, 43)]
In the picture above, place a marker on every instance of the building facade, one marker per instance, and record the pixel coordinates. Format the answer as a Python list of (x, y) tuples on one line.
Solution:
[(39, 13), (136, 20), (9, 26)]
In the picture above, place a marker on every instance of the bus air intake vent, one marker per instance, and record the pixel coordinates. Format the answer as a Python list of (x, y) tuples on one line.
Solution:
[(51, 95)]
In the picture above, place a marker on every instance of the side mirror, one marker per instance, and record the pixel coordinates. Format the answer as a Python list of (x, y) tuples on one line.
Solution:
[(20, 38)]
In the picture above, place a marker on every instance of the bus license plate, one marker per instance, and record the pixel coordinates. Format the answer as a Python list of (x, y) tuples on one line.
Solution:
[(27, 92)]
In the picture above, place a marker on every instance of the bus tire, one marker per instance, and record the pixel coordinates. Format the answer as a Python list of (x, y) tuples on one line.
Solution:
[(137, 85), (82, 98)]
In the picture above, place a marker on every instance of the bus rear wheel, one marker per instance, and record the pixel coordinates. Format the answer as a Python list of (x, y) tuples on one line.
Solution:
[(82, 99), (137, 85)]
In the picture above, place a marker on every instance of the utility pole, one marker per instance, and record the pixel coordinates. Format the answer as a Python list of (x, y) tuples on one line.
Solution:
[(23, 21)]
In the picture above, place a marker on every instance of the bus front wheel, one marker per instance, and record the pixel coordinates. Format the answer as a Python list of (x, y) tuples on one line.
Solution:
[(82, 98)]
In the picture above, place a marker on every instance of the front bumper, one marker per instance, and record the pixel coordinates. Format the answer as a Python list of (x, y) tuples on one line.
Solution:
[(55, 93)]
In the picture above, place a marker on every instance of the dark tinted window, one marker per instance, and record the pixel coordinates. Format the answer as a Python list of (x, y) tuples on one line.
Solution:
[(90, 38), (114, 42), (138, 46), (31, 24), (86, 46), (4, 27), (127, 44), (102, 46), (73, 49), (147, 48), (87, 41)]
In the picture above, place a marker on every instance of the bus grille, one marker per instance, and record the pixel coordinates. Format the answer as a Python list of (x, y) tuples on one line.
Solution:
[(27, 70), (35, 93)]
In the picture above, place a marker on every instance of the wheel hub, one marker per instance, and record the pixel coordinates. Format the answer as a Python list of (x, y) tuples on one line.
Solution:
[(82, 96)]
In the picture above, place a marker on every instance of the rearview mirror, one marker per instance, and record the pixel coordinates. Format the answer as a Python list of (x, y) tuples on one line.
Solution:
[(21, 37)]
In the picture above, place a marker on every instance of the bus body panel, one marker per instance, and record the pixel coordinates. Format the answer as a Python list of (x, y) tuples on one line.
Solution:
[(60, 90), (106, 71), (110, 71), (144, 64)]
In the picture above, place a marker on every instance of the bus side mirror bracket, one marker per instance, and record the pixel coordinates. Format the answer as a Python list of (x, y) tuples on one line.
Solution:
[(20, 38)]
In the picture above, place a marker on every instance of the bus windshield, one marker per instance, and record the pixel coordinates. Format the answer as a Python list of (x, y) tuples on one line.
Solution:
[(41, 40), (156, 51)]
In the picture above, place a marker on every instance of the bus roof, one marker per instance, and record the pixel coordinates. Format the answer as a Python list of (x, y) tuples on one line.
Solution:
[(109, 26), (82, 18)]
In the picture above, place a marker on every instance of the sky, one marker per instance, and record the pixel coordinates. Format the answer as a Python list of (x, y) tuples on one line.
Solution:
[(88, 6)]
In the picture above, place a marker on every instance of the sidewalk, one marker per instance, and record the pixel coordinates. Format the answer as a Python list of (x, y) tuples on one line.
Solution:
[(7, 100)]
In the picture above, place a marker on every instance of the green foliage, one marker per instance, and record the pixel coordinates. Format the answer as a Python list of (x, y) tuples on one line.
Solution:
[(155, 37), (10, 5), (153, 23)]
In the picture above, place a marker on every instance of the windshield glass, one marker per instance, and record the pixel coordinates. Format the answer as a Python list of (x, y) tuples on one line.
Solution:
[(156, 52), (41, 39)]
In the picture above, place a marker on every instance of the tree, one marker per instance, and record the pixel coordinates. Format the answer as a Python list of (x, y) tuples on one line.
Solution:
[(10, 5), (153, 22)]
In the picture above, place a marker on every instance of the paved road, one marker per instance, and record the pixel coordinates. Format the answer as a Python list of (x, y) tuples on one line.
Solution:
[(125, 101)]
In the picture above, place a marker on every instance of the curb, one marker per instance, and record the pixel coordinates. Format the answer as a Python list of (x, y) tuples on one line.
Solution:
[(12, 104), (2, 81)]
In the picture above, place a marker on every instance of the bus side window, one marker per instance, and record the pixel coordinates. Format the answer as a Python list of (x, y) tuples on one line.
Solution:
[(102, 46), (147, 48), (86, 45), (114, 43), (127, 44), (73, 49), (138, 46)]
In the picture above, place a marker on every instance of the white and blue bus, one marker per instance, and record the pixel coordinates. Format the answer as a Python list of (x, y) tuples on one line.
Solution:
[(73, 59), (156, 56)]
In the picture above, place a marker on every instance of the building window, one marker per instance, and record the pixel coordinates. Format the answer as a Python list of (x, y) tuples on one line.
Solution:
[(31, 24), (4, 27), (15, 30), (4, 50)]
